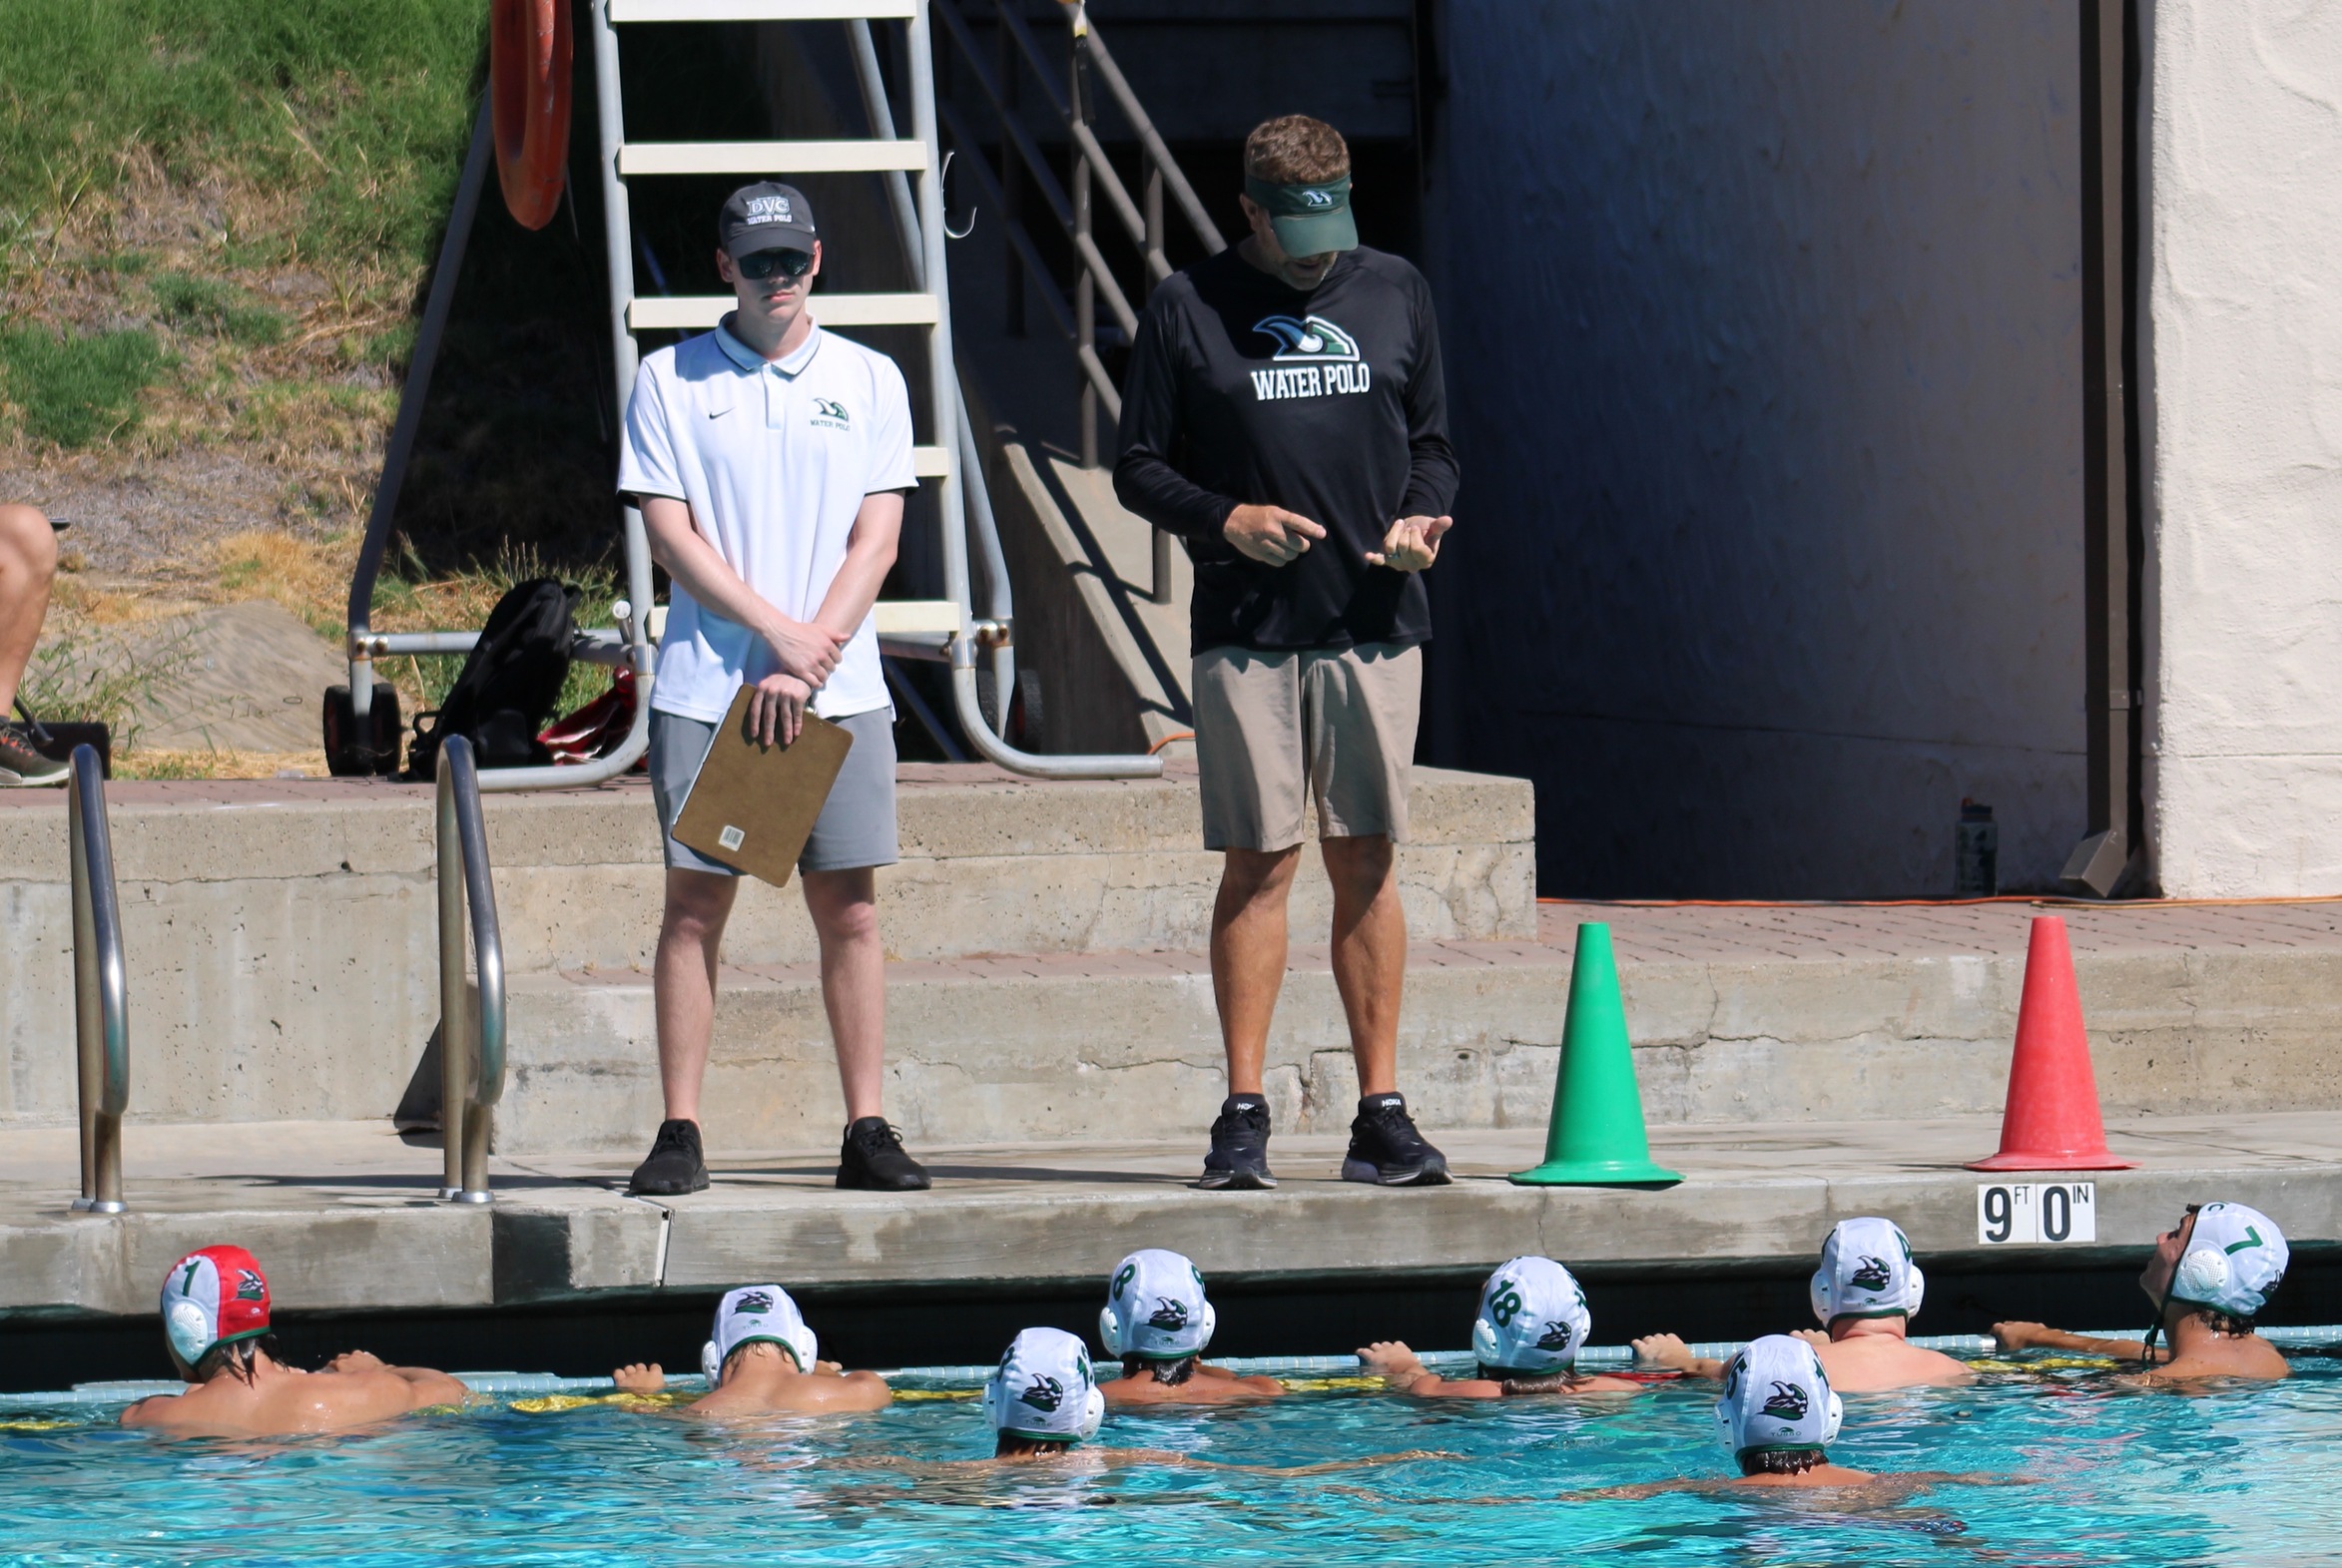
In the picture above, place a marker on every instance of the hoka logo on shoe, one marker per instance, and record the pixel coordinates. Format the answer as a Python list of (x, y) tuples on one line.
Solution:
[(1871, 1275), (1787, 1402), (754, 1304), (1555, 1337), (1045, 1393), (1168, 1315)]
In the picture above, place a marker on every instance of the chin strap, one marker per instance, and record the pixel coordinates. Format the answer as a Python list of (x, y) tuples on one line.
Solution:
[(2147, 1344)]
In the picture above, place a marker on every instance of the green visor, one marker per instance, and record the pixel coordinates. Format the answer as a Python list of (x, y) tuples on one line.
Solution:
[(1310, 220)]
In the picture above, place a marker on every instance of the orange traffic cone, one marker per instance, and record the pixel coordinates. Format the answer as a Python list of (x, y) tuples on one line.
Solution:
[(2051, 1118)]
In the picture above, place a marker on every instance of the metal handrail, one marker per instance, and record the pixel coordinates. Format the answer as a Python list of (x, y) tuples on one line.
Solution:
[(471, 1050), (945, 401), (101, 988), (1093, 176), (629, 645)]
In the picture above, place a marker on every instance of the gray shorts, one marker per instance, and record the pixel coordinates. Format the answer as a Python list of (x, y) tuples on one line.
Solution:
[(857, 825), (1273, 731)]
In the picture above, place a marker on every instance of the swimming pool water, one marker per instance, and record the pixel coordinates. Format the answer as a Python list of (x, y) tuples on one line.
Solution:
[(2230, 1475)]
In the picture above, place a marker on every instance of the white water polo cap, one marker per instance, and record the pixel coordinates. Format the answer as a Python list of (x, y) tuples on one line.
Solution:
[(1776, 1396), (1533, 1319), (1155, 1309), (213, 1296), (758, 1313), (1044, 1390), (1867, 1272), (2235, 1261)]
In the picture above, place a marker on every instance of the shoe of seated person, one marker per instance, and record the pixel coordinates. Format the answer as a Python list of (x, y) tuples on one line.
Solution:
[(1239, 1156), (22, 767), (676, 1164), (871, 1160), (1385, 1149)]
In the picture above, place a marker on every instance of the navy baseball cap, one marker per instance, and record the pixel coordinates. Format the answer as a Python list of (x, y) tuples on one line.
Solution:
[(766, 217)]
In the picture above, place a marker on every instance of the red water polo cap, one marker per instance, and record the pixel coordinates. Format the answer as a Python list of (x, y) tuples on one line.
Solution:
[(213, 1296)]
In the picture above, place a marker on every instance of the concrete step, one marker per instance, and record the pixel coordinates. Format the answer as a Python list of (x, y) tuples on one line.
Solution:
[(1761, 1023), (282, 940), (341, 1217)]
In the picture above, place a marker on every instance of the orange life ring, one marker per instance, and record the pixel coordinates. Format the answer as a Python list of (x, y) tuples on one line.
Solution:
[(528, 83)]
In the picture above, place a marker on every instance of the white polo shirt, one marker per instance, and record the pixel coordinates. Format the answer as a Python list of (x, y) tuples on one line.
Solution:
[(774, 460)]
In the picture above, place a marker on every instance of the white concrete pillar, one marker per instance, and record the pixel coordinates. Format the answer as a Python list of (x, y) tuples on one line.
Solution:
[(2241, 418)]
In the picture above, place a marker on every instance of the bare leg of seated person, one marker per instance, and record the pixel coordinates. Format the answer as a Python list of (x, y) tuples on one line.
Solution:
[(28, 565)]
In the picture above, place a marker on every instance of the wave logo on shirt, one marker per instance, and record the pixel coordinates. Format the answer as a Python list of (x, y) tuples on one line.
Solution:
[(1315, 358), (831, 415), (1311, 340)]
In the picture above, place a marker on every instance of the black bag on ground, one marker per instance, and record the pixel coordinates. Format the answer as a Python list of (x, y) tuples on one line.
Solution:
[(509, 684)]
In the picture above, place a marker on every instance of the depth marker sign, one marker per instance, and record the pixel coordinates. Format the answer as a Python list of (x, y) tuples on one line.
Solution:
[(2039, 1213)]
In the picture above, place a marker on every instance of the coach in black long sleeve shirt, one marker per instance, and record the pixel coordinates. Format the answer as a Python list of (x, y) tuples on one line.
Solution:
[(1327, 403), (1284, 416)]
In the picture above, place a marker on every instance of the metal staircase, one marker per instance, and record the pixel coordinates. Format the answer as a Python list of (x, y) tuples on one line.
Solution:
[(949, 630)]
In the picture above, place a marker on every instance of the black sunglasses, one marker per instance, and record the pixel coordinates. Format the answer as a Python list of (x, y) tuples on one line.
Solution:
[(760, 264)]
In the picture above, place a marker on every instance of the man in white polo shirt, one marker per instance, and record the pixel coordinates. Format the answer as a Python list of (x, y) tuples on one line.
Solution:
[(771, 460)]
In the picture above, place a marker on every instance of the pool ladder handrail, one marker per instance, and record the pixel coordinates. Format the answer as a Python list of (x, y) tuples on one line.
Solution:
[(471, 1046), (101, 986)]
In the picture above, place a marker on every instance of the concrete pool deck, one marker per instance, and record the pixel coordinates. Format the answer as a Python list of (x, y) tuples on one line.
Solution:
[(343, 1217)]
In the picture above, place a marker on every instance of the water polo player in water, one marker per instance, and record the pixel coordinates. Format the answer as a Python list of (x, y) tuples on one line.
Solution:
[(1157, 1321), (1532, 1323), (2209, 1277), (216, 1322), (762, 1359), (1866, 1292)]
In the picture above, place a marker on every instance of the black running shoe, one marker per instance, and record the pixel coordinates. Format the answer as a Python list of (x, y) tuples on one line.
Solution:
[(1385, 1148), (1239, 1157), (873, 1160), (675, 1166), (22, 764)]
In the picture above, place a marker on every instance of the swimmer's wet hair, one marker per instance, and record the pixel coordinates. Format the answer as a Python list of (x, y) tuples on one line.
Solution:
[(1170, 1373), (2226, 1322), (1526, 1382), (740, 1354), (1012, 1446), (1781, 1461), (237, 1358)]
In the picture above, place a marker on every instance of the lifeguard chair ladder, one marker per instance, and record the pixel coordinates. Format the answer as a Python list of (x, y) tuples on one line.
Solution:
[(946, 630), (949, 629)]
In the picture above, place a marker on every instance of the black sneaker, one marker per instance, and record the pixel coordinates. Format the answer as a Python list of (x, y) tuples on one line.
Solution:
[(873, 1160), (675, 1166), (1385, 1148), (1239, 1157), (21, 762)]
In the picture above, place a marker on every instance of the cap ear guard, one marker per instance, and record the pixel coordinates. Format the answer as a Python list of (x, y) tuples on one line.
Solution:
[(2202, 1275), (712, 1365), (1835, 1419), (1916, 1292), (1112, 1333), (1486, 1348), (189, 1331), (1093, 1413)]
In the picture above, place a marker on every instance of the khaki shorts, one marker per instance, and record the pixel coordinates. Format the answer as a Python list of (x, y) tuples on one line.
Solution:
[(1273, 731)]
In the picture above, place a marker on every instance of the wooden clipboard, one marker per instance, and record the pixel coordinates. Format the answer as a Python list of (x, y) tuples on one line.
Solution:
[(752, 807)]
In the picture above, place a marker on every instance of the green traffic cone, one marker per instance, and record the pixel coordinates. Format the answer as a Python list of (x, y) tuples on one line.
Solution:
[(1596, 1137)]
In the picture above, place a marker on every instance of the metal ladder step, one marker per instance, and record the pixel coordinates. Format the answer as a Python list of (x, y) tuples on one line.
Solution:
[(771, 158), (761, 10), (692, 312)]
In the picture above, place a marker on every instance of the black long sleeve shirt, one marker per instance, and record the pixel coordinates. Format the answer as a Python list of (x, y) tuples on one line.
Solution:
[(1327, 403)]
